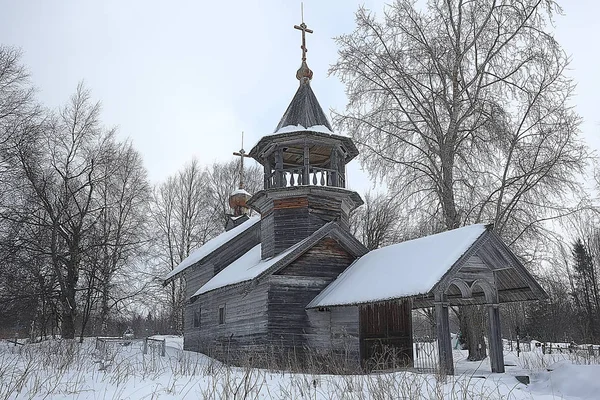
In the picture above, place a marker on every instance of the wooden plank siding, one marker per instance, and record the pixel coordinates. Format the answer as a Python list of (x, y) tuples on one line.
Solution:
[(386, 335), (270, 316), (326, 259), (288, 297), (201, 272), (293, 328), (293, 219), (334, 330), (196, 276), (244, 328), (290, 223)]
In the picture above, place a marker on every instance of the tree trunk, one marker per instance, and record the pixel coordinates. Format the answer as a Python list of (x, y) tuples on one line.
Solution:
[(472, 326), (67, 326), (104, 309)]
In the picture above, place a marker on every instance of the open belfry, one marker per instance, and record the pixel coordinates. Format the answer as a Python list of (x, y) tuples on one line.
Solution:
[(292, 280)]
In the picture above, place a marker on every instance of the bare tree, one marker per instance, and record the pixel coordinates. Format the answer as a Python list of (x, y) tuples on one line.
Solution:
[(464, 106), (224, 178), (377, 223), (58, 169), (17, 103), (189, 209), (183, 221), (120, 234)]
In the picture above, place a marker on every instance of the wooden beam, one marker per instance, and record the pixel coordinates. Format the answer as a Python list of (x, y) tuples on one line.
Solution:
[(279, 168), (443, 334), (306, 173), (334, 174), (495, 339)]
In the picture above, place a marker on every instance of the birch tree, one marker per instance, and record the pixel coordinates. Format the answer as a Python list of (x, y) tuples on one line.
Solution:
[(120, 235), (183, 220), (464, 107)]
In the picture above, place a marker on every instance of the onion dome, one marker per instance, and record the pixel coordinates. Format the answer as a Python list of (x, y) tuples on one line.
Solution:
[(304, 74), (238, 200)]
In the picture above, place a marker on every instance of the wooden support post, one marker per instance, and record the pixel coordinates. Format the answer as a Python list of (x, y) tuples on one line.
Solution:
[(495, 339), (267, 174), (443, 337), (306, 171), (334, 166), (341, 166), (279, 168)]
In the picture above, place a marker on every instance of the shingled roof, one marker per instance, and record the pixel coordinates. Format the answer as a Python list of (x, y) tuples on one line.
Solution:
[(304, 110)]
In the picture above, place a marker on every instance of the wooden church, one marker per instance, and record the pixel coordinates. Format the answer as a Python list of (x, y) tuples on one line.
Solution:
[(294, 280)]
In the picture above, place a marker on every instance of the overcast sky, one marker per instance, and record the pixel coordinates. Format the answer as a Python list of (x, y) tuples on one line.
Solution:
[(182, 79)]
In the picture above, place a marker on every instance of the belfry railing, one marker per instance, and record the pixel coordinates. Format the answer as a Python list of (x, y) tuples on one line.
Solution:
[(296, 177)]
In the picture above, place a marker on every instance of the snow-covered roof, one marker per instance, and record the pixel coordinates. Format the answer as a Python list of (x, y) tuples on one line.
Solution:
[(212, 245), (245, 268), (400, 270), (300, 128)]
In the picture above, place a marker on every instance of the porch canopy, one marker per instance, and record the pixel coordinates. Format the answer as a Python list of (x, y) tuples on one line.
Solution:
[(469, 265)]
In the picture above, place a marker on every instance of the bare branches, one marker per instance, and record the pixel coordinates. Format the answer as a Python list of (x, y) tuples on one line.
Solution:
[(79, 205), (467, 101), (189, 209), (377, 222)]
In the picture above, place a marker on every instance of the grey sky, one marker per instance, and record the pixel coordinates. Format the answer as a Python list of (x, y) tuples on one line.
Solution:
[(184, 78)]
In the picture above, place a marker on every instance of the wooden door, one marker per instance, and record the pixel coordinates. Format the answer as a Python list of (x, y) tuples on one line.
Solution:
[(386, 335)]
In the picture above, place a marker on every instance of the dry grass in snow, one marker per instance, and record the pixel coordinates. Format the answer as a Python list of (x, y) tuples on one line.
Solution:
[(69, 370)]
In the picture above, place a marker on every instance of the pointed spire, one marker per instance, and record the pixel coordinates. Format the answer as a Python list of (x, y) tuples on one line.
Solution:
[(304, 74), (304, 109)]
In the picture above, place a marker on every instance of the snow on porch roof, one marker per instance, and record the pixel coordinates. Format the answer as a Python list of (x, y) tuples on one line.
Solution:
[(400, 270), (210, 246)]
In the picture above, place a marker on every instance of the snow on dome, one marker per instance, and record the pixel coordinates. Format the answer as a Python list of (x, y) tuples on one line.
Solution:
[(240, 191), (400, 270), (300, 128), (245, 268), (212, 245)]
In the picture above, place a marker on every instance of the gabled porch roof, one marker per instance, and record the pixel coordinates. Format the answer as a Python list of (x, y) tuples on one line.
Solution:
[(469, 265)]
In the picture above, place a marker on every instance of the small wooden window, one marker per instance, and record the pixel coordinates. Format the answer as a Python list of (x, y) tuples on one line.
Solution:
[(197, 318), (221, 314)]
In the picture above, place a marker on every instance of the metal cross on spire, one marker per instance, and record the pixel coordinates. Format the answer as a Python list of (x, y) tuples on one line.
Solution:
[(302, 27), (241, 154)]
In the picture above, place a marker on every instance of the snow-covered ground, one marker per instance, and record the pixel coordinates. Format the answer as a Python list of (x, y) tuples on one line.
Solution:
[(63, 370)]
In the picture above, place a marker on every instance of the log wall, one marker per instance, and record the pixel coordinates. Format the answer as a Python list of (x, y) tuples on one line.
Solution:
[(292, 219), (244, 327)]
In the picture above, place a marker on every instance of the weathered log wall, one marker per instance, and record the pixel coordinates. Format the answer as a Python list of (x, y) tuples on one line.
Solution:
[(292, 219), (244, 327), (271, 316)]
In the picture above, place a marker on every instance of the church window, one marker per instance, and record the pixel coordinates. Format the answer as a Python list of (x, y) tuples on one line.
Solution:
[(197, 318), (222, 314)]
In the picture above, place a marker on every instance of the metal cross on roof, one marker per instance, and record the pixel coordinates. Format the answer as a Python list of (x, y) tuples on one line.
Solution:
[(302, 27), (241, 154)]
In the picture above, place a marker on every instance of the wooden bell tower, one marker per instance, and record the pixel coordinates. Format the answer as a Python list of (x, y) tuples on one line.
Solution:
[(304, 171)]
